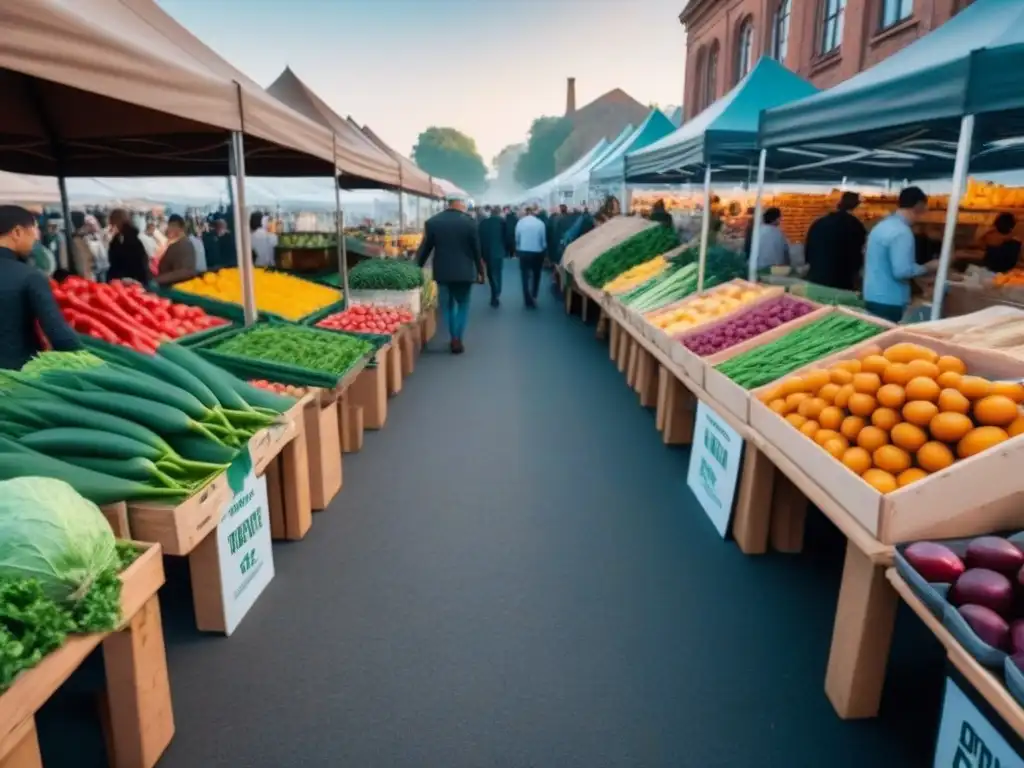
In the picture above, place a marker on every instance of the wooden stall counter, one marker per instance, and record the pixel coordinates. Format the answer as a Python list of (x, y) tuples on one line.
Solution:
[(138, 694)]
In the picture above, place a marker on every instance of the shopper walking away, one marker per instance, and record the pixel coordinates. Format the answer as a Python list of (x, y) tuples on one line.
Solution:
[(511, 219), (178, 262), (452, 237), (834, 248), (773, 250), (81, 252), (531, 243), (27, 306), (492, 246), (263, 242), (54, 241), (127, 255), (889, 264)]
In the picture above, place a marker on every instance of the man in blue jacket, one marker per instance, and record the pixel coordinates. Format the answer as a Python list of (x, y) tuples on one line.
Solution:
[(492, 244)]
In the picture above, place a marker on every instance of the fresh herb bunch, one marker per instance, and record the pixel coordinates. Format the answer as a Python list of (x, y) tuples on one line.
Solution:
[(385, 275)]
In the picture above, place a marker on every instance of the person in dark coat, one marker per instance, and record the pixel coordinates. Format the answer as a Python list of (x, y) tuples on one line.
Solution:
[(128, 257), (834, 248), (223, 241), (27, 306), (563, 222), (452, 237), (660, 215), (492, 246), (511, 219)]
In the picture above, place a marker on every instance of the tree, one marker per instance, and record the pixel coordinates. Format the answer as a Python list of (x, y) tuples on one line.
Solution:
[(537, 164), (504, 164), (451, 154)]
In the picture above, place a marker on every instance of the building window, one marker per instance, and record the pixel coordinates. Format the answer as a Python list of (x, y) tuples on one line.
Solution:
[(711, 76), (832, 25), (895, 11), (780, 31), (744, 48)]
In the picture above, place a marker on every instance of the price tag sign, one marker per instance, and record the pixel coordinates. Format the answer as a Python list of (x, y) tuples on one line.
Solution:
[(967, 739), (244, 549), (714, 466)]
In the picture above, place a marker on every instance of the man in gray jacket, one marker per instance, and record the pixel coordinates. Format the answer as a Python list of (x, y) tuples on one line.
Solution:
[(452, 237)]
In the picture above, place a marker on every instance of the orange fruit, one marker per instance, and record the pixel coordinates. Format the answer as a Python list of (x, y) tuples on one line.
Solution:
[(919, 412), (860, 404), (794, 400), (908, 436), (874, 364), (842, 398), (830, 417), (796, 420), (840, 376), (775, 393), (810, 427), (869, 350), (891, 396), (922, 388), (912, 475), (897, 373), (872, 438), (857, 459), (934, 456), (951, 364), (880, 480), (811, 407), (979, 439), (949, 427), (906, 352), (1017, 427), (823, 435), (866, 383), (974, 387), (816, 378), (950, 400), (892, 459), (779, 406), (794, 385), (885, 418), (851, 427), (949, 379), (1011, 389), (923, 368), (853, 366), (828, 392), (836, 446), (995, 411)]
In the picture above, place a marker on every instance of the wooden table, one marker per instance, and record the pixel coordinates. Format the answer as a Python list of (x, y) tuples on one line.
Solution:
[(138, 693)]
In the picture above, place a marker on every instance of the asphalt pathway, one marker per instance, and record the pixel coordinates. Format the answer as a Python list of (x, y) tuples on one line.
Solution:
[(515, 575)]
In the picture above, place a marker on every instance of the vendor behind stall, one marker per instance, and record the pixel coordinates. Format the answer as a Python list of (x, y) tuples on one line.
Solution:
[(1002, 249), (178, 261)]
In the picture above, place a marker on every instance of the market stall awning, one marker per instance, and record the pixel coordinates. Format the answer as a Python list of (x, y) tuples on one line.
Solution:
[(89, 89), (582, 177), (901, 118), (414, 178), (611, 168), (362, 165), (541, 192), (18, 189), (448, 188), (723, 136)]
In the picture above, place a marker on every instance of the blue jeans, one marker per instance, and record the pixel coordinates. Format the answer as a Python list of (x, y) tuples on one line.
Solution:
[(529, 266), (455, 298)]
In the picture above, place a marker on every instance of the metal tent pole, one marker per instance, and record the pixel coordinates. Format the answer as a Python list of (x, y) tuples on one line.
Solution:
[(705, 228), (243, 239), (960, 166), (755, 237)]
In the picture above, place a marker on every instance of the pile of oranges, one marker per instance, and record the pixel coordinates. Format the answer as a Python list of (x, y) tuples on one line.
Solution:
[(896, 415)]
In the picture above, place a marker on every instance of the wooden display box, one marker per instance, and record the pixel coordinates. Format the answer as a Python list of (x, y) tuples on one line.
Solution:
[(323, 449), (977, 495), (734, 398), (138, 713), (179, 529), (370, 391), (652, 329), (286, 466)]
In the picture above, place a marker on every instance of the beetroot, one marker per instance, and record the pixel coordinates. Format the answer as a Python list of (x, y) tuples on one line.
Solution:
[(745, 325), (980, 586), (994, 553), (936, 563), (987, 624)]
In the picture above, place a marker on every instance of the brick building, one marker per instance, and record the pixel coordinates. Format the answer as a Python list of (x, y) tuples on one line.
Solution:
[(825, 41)]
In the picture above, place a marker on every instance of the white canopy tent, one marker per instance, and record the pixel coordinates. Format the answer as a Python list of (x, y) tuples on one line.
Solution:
[(543, 193), (576, 188)]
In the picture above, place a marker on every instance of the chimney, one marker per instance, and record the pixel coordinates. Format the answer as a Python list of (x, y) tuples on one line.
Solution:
[(570, 97)]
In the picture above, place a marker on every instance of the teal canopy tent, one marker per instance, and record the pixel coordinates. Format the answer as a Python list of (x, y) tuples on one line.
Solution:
[(581, 179), (611, 169), (724, 136)]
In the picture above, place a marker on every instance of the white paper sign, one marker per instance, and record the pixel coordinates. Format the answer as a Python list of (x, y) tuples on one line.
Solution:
[(967, 739), (244, 550), (714, 466)]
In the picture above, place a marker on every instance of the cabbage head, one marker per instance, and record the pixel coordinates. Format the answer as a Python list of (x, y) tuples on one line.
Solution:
[(48, 532)]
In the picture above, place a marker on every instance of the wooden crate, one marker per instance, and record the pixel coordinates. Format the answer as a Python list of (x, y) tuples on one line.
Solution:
[(287, 473), (370, 391), (973, 496), (179, 529), (138, 695), (323, 449)]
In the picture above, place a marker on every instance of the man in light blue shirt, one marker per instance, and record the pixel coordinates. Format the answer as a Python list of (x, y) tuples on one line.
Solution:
[(890, 263), (531, 245)]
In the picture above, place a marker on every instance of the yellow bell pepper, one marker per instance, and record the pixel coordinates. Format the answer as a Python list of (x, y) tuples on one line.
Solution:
[(290, 297)]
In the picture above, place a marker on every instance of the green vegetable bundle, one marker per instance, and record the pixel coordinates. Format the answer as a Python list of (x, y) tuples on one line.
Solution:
[(128, 426), (59, 567), (296, 346), (823, 294), (641, 247), (680, 279), (385, 275), (818, 339)]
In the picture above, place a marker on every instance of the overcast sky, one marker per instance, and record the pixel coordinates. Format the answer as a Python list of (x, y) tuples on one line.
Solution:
[(486, 67)]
